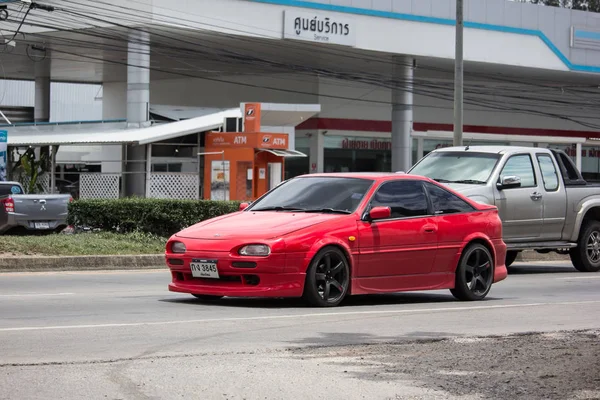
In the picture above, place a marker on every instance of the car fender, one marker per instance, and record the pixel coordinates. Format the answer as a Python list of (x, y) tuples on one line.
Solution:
[(582, 208), (480, 237), (330, 241)]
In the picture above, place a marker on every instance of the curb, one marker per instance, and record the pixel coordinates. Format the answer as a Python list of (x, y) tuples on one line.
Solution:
[(151, 261), (81, 263)]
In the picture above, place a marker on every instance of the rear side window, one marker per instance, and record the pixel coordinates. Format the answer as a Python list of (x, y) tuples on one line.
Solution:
[(445, 202), (7, 190), (549, 174)]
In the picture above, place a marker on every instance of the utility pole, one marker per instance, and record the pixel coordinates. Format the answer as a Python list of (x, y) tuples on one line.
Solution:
[(458, 76)]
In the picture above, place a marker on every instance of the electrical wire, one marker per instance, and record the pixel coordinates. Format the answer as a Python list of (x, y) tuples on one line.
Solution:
[(374, 80)]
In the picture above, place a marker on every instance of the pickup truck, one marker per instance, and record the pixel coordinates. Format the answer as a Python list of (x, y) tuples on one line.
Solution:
[(543, 201), (31, 212)]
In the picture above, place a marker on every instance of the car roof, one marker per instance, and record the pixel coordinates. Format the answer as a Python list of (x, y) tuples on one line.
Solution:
[(378, 176), (489, 149)]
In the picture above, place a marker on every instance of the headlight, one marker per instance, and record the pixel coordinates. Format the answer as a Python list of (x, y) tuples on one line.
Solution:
[(178, 247), (255, 250)]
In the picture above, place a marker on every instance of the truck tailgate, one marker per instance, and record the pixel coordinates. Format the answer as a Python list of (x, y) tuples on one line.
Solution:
[(41, 207)]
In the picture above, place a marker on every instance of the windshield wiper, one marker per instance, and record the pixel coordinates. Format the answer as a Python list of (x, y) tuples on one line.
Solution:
[(469, 181), (278, 208), (328, 210), (440, 180)]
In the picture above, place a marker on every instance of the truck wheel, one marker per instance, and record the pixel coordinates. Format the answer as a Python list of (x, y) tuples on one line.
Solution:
[(586, 256), (511, 256), (474, 275)]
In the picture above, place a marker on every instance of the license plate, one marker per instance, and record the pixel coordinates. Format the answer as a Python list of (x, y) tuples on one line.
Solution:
[(204, 269), (41, 225)]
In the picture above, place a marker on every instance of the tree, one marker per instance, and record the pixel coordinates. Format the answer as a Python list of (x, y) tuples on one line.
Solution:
[(584, 5)]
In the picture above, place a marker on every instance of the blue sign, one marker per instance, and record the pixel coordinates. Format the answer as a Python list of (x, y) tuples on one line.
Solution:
[(3, 154)]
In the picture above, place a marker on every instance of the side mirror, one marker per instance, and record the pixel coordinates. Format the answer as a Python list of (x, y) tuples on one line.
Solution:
[(509, 182), (380, 213), (243, 206)]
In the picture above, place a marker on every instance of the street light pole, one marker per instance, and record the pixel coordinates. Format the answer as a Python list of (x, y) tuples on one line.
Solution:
[(458, 76)]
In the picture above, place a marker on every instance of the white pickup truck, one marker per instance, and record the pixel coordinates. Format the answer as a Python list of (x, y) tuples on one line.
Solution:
[(543, 201), (31, 212)]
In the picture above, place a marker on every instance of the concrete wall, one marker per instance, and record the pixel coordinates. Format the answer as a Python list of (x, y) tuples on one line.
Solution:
[(68, 101), (351, 100), (206, 93)]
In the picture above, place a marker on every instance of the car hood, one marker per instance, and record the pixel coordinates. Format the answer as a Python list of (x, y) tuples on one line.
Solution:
[(479, 193), (257, 225)]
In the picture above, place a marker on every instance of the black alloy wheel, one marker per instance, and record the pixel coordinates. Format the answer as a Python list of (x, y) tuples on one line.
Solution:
[(586, 256), (327, 278), (475, 274)]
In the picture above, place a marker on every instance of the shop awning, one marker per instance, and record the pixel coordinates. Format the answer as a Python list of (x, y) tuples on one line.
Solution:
[(285, 153)]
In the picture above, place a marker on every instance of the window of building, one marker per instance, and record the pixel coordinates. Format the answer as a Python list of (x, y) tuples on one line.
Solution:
[(405, 198)]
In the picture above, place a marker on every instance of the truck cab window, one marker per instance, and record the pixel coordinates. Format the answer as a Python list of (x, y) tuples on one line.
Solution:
[(520, 165), (549, 173)]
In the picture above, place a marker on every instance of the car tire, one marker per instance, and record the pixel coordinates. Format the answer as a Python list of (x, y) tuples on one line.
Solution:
[(511, 256), (584, 259), (474, 273), (207, 297), (327, 274)]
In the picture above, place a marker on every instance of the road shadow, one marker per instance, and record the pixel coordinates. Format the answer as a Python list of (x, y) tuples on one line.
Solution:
[(525, 269), (373, 300)]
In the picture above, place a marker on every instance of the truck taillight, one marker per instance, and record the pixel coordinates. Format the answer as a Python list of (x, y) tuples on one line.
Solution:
[(9, 204)]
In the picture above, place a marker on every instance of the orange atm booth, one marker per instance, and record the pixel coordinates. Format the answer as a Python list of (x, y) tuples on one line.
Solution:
[(244, 165)]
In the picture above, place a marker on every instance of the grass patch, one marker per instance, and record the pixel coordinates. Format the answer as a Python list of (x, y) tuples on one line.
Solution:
[(82, 244)]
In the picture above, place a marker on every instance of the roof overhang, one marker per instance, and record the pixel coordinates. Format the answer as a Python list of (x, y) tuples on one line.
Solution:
[(285, 153), (499, 137)]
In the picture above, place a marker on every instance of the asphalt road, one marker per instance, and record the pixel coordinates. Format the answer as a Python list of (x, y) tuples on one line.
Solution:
[(122, 335)]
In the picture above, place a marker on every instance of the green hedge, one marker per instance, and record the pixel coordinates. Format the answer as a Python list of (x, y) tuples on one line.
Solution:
[(155, 216)]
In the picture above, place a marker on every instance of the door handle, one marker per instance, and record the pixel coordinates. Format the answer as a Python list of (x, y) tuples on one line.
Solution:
[(536, 196), (429, 229)]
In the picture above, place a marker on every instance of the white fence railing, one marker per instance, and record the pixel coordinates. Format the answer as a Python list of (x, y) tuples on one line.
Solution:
[(168, 185)]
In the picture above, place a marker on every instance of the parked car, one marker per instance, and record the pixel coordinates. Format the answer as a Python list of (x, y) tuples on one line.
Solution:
[(327, 236), (543, 201), (31, 212)]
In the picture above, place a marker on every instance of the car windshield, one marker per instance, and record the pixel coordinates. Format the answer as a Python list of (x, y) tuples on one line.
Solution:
[(457, 167), (315, 194)]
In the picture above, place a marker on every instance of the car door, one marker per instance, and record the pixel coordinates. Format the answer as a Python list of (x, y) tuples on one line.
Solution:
[(554, 198), (404, 244), (453, 219), (521, 208)]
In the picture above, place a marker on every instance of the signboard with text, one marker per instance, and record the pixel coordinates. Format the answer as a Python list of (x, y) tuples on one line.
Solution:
[(319, 28)]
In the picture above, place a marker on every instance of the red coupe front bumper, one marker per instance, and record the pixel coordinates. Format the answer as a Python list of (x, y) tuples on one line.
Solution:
[(251, 277)]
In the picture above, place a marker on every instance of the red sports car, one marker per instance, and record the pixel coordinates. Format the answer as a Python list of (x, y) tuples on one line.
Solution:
[(326, 236)]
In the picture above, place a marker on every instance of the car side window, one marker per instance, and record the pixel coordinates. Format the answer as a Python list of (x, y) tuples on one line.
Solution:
[(549, 173), (405, 198), (521, 166), (445, 202)]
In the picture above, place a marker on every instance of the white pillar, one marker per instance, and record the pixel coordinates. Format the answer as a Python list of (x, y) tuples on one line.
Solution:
[(138, 110), (41, 111), (420, 148), (578, 156), (317, 152), (138, 80), (402, 113), (148, 169)]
